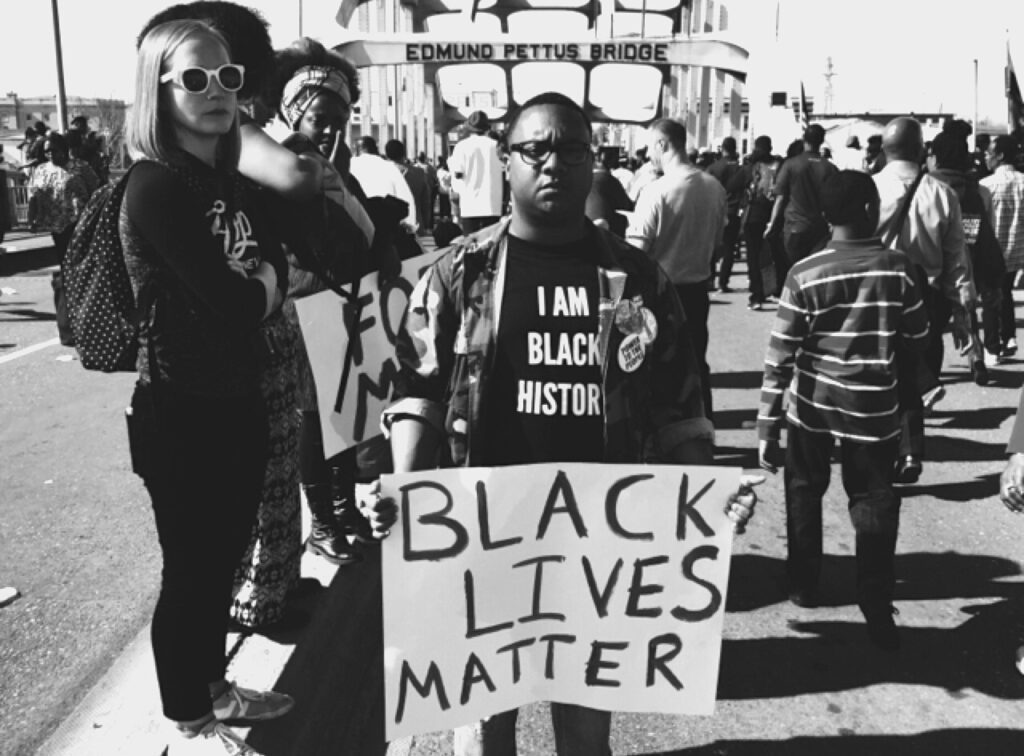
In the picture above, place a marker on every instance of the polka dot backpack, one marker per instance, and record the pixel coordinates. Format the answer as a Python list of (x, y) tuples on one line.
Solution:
[(101, 303)]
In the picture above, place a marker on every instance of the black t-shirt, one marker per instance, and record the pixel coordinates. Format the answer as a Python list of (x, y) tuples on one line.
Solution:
[(544, 402)]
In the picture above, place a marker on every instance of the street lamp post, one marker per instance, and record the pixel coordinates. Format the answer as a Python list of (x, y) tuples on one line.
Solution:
[(62, 106)]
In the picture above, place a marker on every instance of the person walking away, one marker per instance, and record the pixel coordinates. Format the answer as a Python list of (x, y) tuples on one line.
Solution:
[(725, 170), (874, 156), (758, 181), (444, 190), (424, 164), (931, 234), (416, 179), (797, 198), (198, 428), (607, 196), (381, 178), (477, 175), (949, 161), (678, 221), (546, 242), (56, 197), (1006, 187), (842, 390)]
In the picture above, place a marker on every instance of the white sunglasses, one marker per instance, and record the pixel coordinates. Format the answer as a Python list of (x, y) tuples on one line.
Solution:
[(196, 79)]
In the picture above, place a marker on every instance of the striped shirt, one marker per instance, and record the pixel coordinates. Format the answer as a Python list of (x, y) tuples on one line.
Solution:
[(833, 344), (1007, 187)]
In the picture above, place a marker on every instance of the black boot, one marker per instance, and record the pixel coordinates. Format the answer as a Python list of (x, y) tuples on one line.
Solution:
[(325, 537)]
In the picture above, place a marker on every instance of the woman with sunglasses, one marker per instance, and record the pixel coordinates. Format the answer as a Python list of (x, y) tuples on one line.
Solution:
[(207, 274)]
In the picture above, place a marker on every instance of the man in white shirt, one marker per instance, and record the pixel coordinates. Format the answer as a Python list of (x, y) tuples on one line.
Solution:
[(381, 178), (679, 221), (932, 236), (477, 175)]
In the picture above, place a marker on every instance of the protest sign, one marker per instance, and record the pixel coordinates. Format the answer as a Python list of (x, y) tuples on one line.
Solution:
[(350, 414), (597, 585)]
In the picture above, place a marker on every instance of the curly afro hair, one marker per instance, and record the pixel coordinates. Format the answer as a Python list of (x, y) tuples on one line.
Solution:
[(246, 31)]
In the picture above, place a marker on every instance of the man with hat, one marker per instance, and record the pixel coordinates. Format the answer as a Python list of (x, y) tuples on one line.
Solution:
[(477, 175)]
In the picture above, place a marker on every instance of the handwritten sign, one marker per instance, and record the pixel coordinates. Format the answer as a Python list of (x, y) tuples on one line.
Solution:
[(350, 414), (598, 585)]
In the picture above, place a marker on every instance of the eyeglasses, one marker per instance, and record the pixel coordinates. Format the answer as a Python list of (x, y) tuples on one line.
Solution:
[(537, 152), (196, 80)]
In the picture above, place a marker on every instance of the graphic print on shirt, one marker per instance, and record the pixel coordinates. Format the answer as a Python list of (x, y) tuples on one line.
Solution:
[(545, 400), (236, 235), (558, 348)]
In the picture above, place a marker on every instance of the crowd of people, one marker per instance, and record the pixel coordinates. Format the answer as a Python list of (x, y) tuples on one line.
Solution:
[(869, 258)]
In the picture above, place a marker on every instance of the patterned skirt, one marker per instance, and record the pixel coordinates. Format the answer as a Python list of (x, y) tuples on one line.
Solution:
[(270, 567)]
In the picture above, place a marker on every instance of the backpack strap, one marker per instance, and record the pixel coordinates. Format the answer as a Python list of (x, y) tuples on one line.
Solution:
[(903, 212)]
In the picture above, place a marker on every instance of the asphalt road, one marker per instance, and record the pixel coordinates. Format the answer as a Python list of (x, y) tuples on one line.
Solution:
[(76, 533), (76, 538)]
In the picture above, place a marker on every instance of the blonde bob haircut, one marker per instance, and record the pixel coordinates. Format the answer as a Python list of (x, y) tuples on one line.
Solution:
[(150, 131)]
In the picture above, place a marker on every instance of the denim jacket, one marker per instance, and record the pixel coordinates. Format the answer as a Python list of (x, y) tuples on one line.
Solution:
[(446, 349)]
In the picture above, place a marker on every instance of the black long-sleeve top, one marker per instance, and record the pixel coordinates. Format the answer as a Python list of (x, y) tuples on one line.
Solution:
[(180, 222)]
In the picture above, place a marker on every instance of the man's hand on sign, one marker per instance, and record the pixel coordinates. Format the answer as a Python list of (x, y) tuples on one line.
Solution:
[(381, 513), (740, 507), (769, 456)]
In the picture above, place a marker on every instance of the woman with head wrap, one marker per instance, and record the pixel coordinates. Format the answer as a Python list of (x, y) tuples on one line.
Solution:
[(314, 94)]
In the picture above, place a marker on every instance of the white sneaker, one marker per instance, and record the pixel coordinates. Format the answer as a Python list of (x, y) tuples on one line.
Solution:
[(242, 704), (1010, 349), (992, 359), (216, 739)]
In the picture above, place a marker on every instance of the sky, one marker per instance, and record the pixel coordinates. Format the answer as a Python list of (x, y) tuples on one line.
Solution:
[(887, 55)]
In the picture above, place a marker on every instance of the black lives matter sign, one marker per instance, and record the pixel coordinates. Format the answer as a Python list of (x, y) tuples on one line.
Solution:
[(600, 585)]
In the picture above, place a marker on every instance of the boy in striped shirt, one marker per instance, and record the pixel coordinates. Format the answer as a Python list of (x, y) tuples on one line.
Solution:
[(841, 314)]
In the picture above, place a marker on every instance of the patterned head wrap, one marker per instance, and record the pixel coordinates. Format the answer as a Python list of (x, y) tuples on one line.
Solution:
[(305, 85)]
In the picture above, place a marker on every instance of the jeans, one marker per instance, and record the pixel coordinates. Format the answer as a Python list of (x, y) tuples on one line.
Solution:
[(579, 731), (202, 460), (874, 511), (697, 307)]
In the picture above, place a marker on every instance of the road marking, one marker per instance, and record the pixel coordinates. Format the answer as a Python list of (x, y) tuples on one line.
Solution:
[(29, 350)]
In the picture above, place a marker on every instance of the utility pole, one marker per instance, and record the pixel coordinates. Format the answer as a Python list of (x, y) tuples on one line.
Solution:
[(830, 73), (975, 122), (62, 104)]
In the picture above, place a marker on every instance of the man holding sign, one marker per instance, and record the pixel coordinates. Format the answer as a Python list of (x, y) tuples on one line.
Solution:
[(545, 339)]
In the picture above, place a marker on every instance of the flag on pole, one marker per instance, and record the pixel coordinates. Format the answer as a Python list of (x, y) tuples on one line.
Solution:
[(805, 119), (1014, 103)]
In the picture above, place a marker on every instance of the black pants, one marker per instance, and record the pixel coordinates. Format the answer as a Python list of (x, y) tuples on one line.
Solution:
[(1007, 312), (874, 511), (61, 240), (730, 238), (697, 307), (911, 409), (202, 460), (801, 244), (991, 302), (469, 225), (444, 205)]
